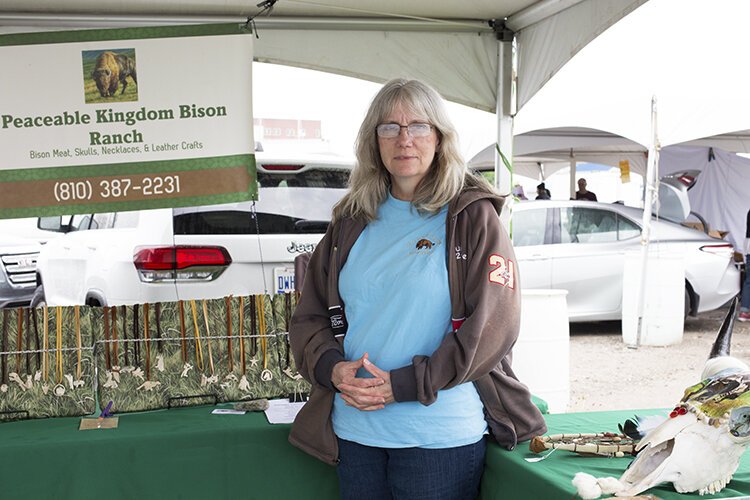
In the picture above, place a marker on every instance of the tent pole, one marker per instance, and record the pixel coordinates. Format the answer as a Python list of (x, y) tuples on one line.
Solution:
[(572, 175), (505, 109), (648, 202)]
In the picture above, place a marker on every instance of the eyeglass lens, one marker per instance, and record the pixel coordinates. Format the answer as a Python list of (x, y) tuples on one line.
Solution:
[(413, 129)]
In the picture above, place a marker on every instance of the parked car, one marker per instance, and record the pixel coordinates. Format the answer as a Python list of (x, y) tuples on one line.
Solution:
[(580, 246), (197, 252), (18, 258)]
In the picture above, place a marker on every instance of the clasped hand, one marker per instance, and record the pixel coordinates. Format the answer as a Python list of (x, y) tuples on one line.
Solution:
[(362, 393)]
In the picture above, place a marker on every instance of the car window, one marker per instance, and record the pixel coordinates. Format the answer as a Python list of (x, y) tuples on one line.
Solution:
[(626, 229), (587, 225), (528, 227), (126, 219), (289, 202), (80, 222), (333, 179), (102, 221)]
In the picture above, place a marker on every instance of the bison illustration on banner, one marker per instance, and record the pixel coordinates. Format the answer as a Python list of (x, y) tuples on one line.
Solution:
[(112, 69)]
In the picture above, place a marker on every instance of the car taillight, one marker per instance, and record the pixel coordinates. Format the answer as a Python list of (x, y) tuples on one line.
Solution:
[(181, 262), (688, 180), (722, 250)]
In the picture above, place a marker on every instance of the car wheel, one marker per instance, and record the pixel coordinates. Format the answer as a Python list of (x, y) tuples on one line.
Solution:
[(38, 300), (687, 303)]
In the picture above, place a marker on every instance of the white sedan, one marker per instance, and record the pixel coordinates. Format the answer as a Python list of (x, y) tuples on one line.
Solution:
[(580, 246)]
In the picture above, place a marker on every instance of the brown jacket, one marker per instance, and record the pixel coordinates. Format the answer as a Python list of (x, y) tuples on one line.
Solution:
[(486, 306)]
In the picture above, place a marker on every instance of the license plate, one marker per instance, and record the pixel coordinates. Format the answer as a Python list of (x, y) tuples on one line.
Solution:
[(283, 277)]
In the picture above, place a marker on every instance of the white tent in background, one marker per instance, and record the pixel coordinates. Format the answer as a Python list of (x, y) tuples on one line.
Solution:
[(540, 153), (699, 83), (722, 193)]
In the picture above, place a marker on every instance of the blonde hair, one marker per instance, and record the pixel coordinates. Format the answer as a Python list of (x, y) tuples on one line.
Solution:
[(370, 181)]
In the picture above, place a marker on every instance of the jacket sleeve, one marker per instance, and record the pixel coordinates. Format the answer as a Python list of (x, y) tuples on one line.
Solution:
[(493, 307), (314, 346)]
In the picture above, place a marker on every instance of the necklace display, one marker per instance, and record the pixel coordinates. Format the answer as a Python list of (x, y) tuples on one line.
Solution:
[(142, 356)]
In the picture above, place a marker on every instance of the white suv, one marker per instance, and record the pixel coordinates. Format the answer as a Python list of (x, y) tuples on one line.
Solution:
[(198, 252), (17, 263)]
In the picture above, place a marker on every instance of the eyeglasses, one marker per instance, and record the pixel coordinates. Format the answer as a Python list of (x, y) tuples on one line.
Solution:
[(391, 130)]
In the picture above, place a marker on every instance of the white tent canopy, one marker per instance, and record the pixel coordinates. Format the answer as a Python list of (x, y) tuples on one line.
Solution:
[(698, 80), (541, 153), (446, 43)]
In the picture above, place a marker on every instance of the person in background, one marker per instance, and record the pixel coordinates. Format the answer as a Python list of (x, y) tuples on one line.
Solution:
[(542, 193), (582, 193), (745, 301), (409, 310), (517, 191)]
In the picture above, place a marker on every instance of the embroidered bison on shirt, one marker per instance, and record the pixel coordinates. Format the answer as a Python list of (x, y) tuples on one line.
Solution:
[(424, 243), (111, 70)]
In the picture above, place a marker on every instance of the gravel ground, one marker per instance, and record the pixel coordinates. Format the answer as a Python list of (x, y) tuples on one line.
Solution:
[(607, 375)]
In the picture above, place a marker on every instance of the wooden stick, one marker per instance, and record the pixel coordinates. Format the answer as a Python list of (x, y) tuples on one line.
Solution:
[(253, 322), (147, 343), (136, 336), (107, 357), (58, 345), (36, 339), (262, 328), (124, 311), (182, 332), (287, 320), (27, 313), (4, 349), (208, 336), (79, 344), (45, 354), (241, 332), (157, 314), (228, 304), (19, 340), (115, 344), (197, 334)]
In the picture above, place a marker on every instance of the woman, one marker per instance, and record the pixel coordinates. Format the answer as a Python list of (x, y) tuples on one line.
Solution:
[(408, 313)]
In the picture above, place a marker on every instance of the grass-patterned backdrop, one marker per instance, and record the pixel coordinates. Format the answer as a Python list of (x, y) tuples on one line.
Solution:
[(148, 356), (46, 362)]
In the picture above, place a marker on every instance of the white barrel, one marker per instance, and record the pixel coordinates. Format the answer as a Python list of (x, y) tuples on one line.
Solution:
[(541, 357), (663, 317)]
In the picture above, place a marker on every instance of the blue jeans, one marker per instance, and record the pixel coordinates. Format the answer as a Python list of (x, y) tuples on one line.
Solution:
[(745, 300), (368, 473)]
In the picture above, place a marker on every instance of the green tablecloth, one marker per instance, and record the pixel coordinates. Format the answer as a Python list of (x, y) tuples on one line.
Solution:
[(190, 453), (508, 476), (170, 454)]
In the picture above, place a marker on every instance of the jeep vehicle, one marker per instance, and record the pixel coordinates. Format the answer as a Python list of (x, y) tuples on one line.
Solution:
[(211, 251), (18, 258)]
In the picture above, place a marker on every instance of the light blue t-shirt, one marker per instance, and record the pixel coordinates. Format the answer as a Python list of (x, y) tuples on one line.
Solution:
[(395, 289)]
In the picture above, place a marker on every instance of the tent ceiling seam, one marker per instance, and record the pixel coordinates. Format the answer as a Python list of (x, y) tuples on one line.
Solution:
[(376, 12), (279, 23), (538, 12)]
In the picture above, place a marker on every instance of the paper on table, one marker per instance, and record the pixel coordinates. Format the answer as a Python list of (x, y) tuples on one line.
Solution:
[(281, 411), (227, 411)]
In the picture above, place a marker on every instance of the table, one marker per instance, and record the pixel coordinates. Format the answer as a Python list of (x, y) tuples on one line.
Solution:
[(190, 453), (508, 476), (168, 454)]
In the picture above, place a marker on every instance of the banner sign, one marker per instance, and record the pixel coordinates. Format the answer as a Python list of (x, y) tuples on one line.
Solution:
[(124, 119)]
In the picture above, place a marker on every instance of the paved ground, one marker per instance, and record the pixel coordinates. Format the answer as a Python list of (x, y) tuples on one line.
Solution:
[(607, 375)]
